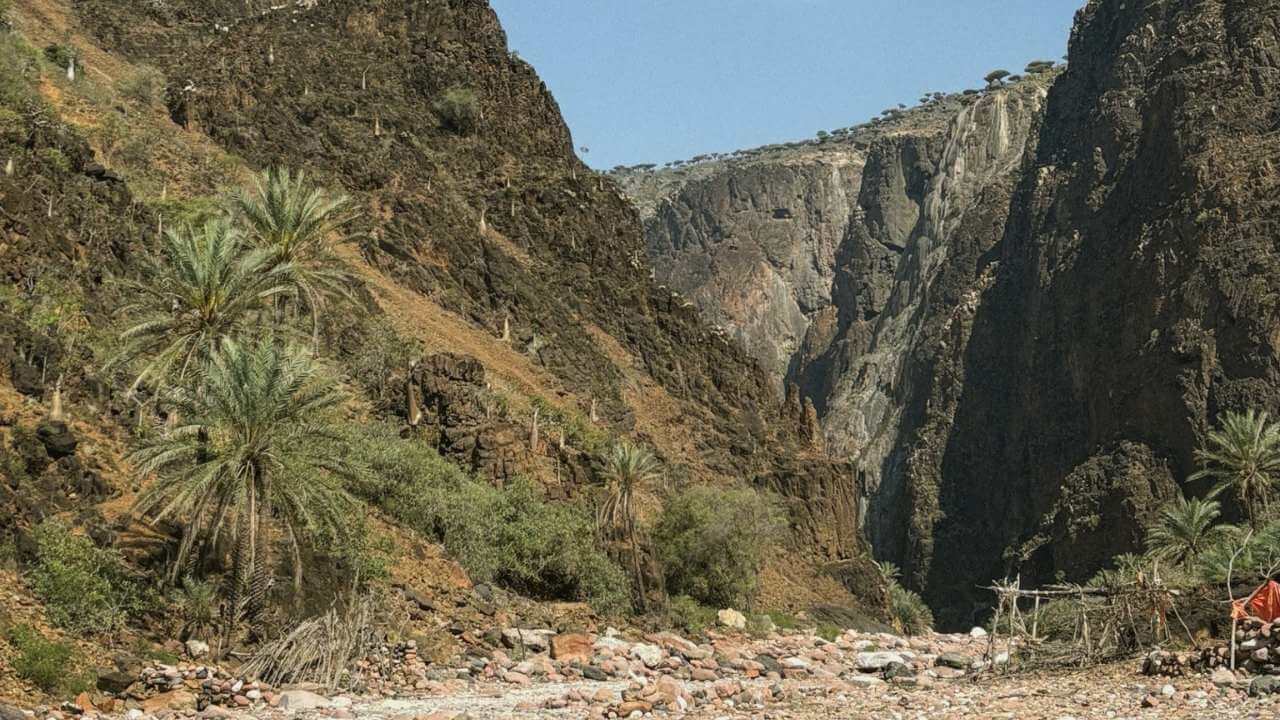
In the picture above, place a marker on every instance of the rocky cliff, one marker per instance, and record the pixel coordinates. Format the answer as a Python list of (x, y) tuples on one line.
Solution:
[(833, 262), (1037, 301)]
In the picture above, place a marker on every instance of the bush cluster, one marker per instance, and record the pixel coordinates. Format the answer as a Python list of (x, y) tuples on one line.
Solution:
[(459, 110), (510, 536), (712, 542), (49, 665), (86, 589)]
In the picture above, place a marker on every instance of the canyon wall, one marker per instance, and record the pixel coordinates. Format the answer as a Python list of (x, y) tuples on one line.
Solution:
[(1040, 299)]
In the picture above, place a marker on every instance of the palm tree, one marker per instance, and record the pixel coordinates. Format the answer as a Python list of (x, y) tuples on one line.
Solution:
[(1184, 530), (254, 449), (628, 469), (205, 288), (300, 226), (889, 572), (1245, 456)]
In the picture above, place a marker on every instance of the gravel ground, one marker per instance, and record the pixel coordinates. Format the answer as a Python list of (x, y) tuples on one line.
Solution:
[(1114, 692)]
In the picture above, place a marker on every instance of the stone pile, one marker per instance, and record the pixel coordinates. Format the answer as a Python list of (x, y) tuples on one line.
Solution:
[(391, 669), (171, 686), (1257, 652)]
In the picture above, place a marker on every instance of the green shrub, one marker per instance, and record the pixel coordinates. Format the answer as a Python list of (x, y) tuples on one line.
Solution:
[(1056, 620), (54, 158), (197, 604), (142, 86), (85, 588), (910, 614), (689, 615), (459, 110), (49, 665), (711, 543), (60, 55), (510, 536), (13, 127), (828, 632), (783, 621)]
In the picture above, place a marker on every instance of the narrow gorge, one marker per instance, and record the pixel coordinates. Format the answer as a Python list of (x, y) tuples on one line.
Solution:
[(952, 289)]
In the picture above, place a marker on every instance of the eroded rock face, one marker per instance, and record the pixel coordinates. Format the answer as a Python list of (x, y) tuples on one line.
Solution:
[(844, 267), (754, 248), (463, 420)]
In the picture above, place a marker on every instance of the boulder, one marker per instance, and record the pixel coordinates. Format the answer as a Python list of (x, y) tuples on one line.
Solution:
[(532, 640), (57, 438), (954, 660), (115, 682), (571, 646), (650, 655), (1264, 685), (293, 700), (731, 618), (1222, 677), (196, 649), (9, 712), (176, 700), (876, 661)]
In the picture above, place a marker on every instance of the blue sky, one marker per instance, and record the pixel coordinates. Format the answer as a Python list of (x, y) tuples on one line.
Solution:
[(658, 80)]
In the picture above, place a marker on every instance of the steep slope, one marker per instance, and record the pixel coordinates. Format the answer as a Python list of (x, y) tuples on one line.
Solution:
[(492, 242)]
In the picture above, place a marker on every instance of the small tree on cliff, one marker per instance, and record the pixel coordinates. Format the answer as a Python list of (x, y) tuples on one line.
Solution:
[(996, 76), (1243, 456)]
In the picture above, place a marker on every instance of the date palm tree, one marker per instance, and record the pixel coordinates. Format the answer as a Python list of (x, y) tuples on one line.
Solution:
[(1184, 530), (628, 469), (203, 288), (254, 452), (300, 226), (1243, 456)]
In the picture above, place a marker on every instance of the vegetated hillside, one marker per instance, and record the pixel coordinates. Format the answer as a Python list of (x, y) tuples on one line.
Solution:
[(1038, 304), (504, 314)]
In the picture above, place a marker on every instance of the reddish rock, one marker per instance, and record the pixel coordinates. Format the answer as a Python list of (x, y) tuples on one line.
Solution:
[(571, 646)]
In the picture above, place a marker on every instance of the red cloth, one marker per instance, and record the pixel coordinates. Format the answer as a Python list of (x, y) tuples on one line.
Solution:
[(1264, 604)]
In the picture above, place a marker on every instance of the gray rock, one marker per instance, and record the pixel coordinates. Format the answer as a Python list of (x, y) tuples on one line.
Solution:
[(537, 641), (875, 661), (897, 671), (650, 655), (294, 700), (1264, 685), (954, 660), (9, 712), (114, 681)]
